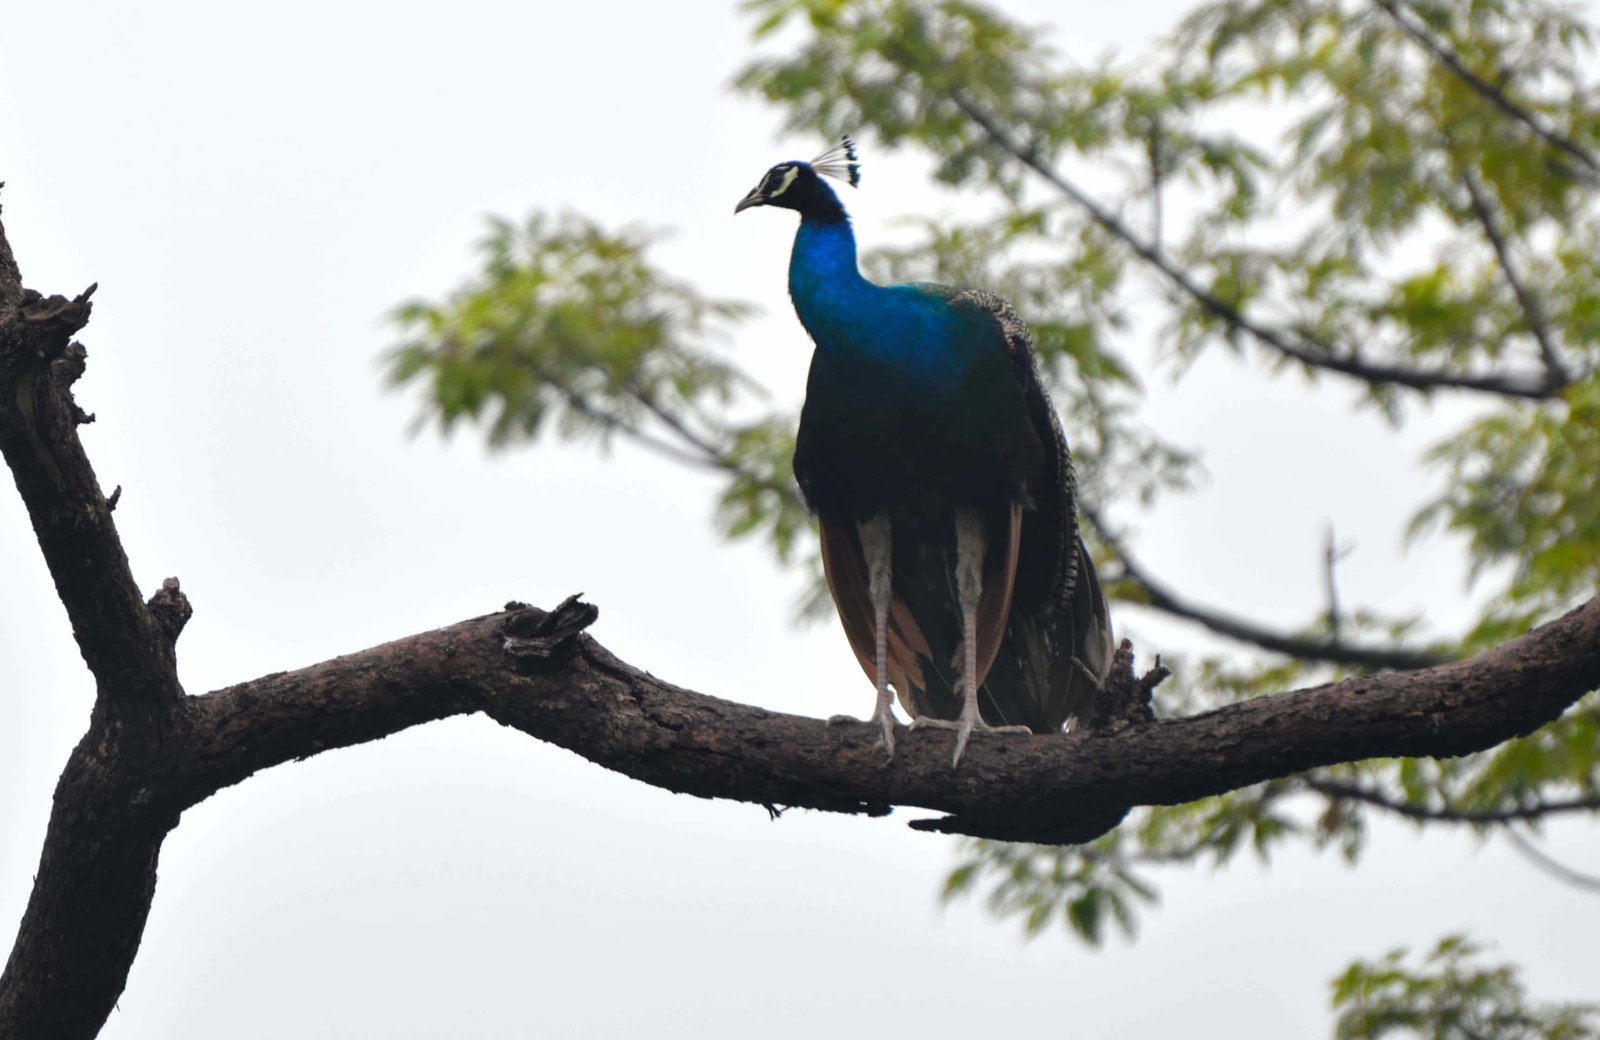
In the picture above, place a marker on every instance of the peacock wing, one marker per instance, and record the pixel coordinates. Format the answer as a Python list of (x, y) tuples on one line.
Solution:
[(1059, 609), (999, 585)]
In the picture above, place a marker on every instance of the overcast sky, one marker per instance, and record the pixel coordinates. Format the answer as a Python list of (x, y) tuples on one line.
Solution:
[(254, 188)]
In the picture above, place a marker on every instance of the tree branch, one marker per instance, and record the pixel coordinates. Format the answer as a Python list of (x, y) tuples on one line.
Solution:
[(1160, 597), (1446, 814), (1491, 93), (133, 664), (1296, 347), (91, 896), (1532, 312), (701, 452), (581, 697), (616, 423), (97, 870), (1550, 865)]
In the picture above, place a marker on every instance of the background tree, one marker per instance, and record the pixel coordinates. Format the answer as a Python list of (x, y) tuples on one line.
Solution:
[(659, 377)]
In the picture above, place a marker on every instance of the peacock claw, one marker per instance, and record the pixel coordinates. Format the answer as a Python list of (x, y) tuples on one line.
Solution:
[(964, 727), (885, 733)]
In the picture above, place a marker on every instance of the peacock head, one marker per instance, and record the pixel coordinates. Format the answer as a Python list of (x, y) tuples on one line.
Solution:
[(799, 186)]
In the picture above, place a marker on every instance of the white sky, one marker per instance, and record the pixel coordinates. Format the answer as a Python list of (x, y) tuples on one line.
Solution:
[(254, 188)]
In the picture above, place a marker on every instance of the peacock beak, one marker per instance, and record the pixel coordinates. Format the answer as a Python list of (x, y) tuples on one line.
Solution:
[(755, 198)]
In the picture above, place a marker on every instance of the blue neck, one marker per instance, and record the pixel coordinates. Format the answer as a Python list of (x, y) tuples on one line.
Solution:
[(824, 281), (901, 329)]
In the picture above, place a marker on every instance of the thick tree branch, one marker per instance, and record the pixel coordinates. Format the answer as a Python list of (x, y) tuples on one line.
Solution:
[(1491, 93), (1300, 348), (579, 696), (91, 896), (97, 870), (588, 701), (121, 641)]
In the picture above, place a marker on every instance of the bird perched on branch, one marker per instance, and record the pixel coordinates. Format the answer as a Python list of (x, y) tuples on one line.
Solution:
[(942, 485)]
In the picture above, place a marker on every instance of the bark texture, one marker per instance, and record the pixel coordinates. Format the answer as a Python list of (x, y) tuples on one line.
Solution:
[(151, 750)]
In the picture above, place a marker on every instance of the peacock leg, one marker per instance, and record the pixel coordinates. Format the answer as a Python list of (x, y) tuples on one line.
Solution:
[(970, 548), (877, 546), (970, 544)]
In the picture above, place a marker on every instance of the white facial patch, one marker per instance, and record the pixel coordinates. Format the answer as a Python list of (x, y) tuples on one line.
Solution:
[(789, 175)]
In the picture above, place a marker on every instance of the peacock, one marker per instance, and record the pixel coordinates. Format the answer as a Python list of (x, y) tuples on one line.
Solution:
[(942, 485)]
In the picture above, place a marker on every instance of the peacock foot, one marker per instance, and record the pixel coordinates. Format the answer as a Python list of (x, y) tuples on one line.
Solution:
[(885, 723), (965, 727)]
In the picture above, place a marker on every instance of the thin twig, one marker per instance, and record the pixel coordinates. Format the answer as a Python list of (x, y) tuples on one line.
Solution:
[(1545, 862), (715, 456), (678, 426), (615, 423), (1157, 182), (641, 437), (1331, 555)]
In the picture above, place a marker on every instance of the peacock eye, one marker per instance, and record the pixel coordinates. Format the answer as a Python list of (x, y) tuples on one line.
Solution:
[(778, 180)]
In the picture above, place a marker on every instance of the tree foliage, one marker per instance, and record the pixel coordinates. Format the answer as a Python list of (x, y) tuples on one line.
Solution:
[(1449, 996), (1398, 196)]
